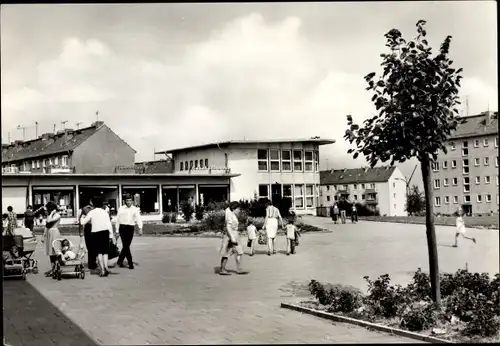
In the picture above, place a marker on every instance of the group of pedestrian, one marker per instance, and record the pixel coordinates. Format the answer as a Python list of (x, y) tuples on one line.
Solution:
[(338, 213), (96, 231), (231, 246)]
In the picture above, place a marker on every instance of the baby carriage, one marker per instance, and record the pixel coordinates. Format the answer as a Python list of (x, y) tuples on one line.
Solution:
[(17, 251), (70, 267)]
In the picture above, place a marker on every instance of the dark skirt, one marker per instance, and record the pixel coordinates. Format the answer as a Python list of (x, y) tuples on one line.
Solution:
[(100, 243)]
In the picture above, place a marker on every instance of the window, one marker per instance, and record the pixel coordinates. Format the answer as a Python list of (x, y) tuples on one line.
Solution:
[(437, 201), (487, 179), (497, 180), (455, 199), (486, 161), (308, 158), (437, 184), (274, 156), (445, 182), (362, 197), (56, 160), (466, 184), (336, 198), (44, 163), (466, 180), (286, 160), (465, 144), (262, 159), (435, 166), (297, 161), (446, 199), (191, 164), (146, 198), (206, 163), (477, 162), (478, 198), (287, 192), (309, 196), (454, 181), (496, 161), (488, 198), (328, 198), (394, 195), (182, 166), (496, 142), (316, 160), (478, 180), (486, 142), (37, 163), (355, 186), (476, 143), (327, 187), (453, 163), (355, 197), (186, 166), (195, 163), (264, 191), (445, 164), (299, 196), (363, 186), (33, 164), (372, 186), (65, 160), (465, 169), (50, 161), (201, 163), (466, 188), (452, 146), (467, 199), (465, 151)]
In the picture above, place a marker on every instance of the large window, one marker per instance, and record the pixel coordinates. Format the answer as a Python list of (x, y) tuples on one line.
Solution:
[(299, 196), (309, 196), (263, 191), (63, 196), (287, 193), (213, 193), (144, 197), (465, 169), (286, 160), (309, 161), (437, 201), (170, 199), (297, 160), (262, 159), (274, 156), (182, 166), (108, 194)]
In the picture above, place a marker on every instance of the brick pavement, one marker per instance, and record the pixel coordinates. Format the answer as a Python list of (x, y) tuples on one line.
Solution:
[(173, 296)]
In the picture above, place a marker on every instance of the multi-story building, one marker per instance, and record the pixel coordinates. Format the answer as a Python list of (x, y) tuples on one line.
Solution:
[(382, 188), (266, 169), (467, 175)]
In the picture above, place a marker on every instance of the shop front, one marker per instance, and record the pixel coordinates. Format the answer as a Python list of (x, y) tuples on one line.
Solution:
[(63, 196)]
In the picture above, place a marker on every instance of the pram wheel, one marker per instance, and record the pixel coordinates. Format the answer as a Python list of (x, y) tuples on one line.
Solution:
[(82, 275), (24, 275), (35, 270)]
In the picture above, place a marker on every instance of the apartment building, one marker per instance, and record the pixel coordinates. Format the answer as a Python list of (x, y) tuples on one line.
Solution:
[(382, 188), (467, 175), (266, 169)]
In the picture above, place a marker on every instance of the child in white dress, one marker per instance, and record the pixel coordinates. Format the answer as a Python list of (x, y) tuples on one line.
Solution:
[(252, 236), (461, 228)]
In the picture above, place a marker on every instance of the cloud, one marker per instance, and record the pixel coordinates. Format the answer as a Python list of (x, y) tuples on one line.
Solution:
[(248, 79)]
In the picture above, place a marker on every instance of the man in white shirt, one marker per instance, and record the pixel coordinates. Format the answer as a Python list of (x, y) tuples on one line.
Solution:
[(126, 219)]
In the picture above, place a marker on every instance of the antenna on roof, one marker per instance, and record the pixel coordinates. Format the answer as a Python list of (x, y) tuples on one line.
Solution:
[(19, 127), (63, 123), (78, 125), (36, 129), (467, 105), (97, 115)]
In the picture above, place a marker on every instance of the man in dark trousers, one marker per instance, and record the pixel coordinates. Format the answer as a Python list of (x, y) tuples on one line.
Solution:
[(128, 216), (85, 231)]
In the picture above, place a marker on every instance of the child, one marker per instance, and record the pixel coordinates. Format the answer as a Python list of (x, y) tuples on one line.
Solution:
[(461, 228), (252, 236), (291, 237), (67, 253)]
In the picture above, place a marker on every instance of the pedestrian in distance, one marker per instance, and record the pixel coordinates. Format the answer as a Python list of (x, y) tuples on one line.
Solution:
[(51, 233), (128, 216), (85, 232), (29, 218), (252, 236), (292, 236), (335, 213), (460, 232), (354, 213)]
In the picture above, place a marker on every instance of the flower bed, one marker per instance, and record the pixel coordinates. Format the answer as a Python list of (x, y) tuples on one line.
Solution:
[(470, 309)]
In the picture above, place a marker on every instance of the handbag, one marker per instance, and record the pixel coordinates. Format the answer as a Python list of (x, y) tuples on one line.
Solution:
[(262, 238), (249, 243), (114, 251)]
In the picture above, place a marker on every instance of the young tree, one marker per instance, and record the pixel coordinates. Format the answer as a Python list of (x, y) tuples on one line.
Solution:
[(416, 99), (415, 201)]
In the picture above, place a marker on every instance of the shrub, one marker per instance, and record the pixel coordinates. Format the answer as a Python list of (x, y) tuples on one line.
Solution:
[(384, 299), (483, 320), (169, 217), (198, 213), (478, 283), (345, 301), (319, 292), (187, 211), (214, 220), (213, 206), (420, 286), (418, 317)]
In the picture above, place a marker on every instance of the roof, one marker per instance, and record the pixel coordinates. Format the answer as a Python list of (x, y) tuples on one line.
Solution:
[(477, 125), (356, 175), (133, 175), (47, 144), (158, 166), (317, 140)]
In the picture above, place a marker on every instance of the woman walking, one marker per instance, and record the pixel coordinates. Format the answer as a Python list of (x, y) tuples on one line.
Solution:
[(101, 233), (51, 233), (271, 226)]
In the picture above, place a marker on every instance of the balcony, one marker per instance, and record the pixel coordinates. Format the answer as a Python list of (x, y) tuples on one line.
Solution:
[(370, 190), (59, 169), (11, 169)]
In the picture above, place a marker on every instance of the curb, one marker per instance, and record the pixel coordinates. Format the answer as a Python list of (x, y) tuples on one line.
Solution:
[(369, 325), (479, 227)]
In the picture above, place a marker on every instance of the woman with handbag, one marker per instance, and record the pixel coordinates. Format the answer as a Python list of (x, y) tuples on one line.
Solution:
[(271, 226), (101, 233)]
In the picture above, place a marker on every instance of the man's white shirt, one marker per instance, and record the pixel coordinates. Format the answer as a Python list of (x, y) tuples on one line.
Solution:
[(128, 216)]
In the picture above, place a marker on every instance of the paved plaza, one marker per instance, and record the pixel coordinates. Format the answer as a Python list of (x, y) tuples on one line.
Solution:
[(174, 297)]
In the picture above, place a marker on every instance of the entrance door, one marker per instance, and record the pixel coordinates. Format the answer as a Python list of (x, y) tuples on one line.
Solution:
[(275, 192), (467, 209)]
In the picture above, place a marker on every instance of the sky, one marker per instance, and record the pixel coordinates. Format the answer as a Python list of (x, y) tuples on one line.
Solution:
[(164, 76)]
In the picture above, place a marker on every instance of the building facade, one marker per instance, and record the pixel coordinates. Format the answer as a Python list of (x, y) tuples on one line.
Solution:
[(266, 169), (467, 175), (382, 188), (94, 149)]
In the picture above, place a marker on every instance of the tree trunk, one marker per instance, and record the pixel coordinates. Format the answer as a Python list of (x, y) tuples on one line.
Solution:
[(431, 232)]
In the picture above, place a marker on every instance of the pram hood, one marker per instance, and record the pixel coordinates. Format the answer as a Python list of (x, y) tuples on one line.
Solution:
[(24, 232)]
